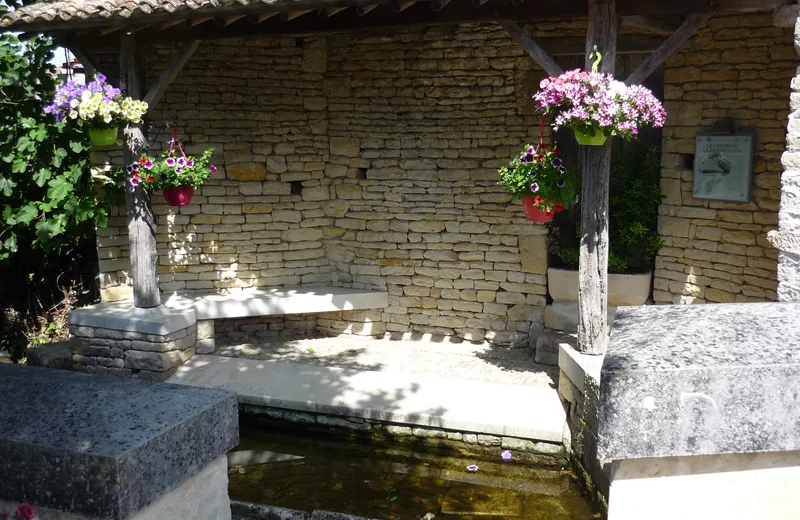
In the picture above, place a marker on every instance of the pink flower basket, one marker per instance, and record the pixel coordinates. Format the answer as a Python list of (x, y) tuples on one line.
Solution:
[(179, 196), (534, 214)]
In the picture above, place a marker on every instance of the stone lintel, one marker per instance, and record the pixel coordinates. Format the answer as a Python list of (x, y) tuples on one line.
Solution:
[(701, 380), (581, 369), (162, 320), (103, 446)]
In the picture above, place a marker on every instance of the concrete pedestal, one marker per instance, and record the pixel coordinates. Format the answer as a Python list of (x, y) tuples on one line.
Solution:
[(699, 412)]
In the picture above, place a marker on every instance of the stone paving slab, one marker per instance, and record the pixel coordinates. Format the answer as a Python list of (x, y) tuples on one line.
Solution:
[(420, 399)]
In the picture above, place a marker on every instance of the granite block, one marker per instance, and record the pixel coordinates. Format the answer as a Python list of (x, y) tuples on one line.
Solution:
[(701, 380), (104, 446)]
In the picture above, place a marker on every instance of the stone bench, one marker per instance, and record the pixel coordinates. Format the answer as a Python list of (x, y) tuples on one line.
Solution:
[(83, 446), (274, 302)]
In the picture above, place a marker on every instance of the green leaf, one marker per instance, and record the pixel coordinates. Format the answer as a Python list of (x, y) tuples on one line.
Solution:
[(10, 244), (42, 176), (20, 165), (59, 188), (6, 186), (26, 213), (76, 147)]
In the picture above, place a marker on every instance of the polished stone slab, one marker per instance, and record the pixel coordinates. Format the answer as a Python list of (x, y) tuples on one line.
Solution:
[(104, 446), (415, 399), (684, 380)]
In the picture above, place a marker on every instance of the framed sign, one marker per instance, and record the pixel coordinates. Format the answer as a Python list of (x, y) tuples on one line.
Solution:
[(723, 167)]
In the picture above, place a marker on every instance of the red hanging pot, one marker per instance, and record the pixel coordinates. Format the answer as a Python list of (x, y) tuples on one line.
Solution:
[(534, 214), (179, 196)]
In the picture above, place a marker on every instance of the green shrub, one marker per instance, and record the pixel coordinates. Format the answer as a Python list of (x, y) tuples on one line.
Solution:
[(635, 195)]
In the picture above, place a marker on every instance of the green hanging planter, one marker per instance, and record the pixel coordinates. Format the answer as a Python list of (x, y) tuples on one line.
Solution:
[(599, 139), (103, 136)]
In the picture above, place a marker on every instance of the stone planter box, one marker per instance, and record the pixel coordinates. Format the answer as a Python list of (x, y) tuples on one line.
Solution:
[(623, 289)]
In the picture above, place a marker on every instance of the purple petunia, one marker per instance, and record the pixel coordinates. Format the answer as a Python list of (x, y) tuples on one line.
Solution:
[(506, 455), (534, 187), (136, 167), (178, 170), (181, 162), (170, 161), (163, 176), (213, 169), (562, 170), (561, 183), (135, 181), (149, 164), (189, 163), (129, 168), (557, 163)]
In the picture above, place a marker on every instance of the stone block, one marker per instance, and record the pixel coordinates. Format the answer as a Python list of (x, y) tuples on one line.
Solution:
[(345, 146), (153, 361), (712, 385), (123, 316), (53, 355), (533, 253), (154, 437), (246, 172)]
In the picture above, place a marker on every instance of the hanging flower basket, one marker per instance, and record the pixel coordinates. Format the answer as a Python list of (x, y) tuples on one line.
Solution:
[(538, 176), (534, 214), (596, 106), (103, 136), (599, 139), (179, 195), (98, 106)]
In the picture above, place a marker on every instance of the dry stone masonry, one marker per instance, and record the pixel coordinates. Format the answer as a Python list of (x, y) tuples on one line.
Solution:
[(737, 67)]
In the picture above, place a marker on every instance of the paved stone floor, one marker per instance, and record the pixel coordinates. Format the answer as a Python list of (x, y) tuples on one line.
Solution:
[(451, 360)]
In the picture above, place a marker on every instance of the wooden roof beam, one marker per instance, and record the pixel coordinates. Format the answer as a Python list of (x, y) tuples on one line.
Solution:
[(402, 5), (330, 11), (672, 44), (364, 9), (532, 48), (291, 15), (230, 19), (194, 22), (438, 5), (652, 24), (478, 3), (171, 71), (259, 18)]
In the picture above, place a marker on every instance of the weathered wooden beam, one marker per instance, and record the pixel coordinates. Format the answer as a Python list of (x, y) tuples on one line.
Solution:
[(111, 29), (171, 71), (478, 3), (330, 11), (263, 17), (594, 163), (438, 5), (194, 22), (90, 66), (364, 9), (171, 23), (672, 44), (291, 15), (651, 24), (402, 5), (533, 49), (141, 220), (231, 19)]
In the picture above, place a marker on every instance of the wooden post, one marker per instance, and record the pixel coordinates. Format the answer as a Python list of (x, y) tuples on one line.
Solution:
[(595, 166), (141, 220)]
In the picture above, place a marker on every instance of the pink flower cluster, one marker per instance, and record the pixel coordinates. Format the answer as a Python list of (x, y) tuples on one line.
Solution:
[(591, 103)]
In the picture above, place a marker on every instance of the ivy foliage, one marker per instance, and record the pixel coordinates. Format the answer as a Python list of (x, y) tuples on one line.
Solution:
[(47, 198)]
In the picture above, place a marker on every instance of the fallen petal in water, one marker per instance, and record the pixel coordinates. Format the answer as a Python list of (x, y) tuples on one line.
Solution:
[(472, 468), (506, 455)]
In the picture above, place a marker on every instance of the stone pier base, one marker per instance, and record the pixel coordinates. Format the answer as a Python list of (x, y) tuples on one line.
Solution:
[(755, 486)]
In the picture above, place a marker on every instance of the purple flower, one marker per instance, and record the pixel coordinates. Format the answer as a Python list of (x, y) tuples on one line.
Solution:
[(163, 176), (181, 162), (561, 183), (562, 170), (178, 170), (534, 187), (531, 151), (472, 468), (189, 163), (149, 164), (170, 161), (101, 78), (136, 167), (528, 158), (135, 181), (506, 455), (129, 168), (557, 162), (213, 169)]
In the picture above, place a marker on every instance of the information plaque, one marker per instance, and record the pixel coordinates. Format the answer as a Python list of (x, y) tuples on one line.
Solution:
[(723, 167)]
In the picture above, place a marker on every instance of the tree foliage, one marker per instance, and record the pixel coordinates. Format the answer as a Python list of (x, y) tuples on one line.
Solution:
[(47, 197)]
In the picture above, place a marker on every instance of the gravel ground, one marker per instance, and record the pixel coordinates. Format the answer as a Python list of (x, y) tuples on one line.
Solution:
[(481, 362)]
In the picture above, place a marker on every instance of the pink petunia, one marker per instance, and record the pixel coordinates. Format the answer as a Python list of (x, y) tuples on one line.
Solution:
[(149, 165)]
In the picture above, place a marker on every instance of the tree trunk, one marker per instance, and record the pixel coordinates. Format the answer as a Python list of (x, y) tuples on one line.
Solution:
[(594, 163), (141, 220)]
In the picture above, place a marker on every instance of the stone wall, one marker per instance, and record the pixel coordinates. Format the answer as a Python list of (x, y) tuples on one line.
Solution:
[(739, 68), (357, 160)]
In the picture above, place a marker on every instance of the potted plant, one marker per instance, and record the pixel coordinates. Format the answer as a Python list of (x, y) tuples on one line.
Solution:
[(635, 195), (97, 105), (539, 177), (177, 174), (595, 106)]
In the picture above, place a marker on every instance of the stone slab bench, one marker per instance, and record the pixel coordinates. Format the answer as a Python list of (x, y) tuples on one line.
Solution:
[(105, 447), (701, 402), (274, 302)]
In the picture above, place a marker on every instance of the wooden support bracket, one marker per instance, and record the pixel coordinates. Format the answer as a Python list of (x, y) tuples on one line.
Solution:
[(90, 65), (263, 17), (291, 15), (533, 49), (330, 11), (478, 3), (672, 44), (402, 5), (652, 24), (171, 71), (438, 5), (364, 9)]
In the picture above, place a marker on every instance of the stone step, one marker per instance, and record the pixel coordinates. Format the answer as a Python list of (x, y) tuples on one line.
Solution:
[(563, 316), (548, 344)]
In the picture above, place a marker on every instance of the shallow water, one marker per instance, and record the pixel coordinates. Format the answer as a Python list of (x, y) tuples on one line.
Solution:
[(397, 481)]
